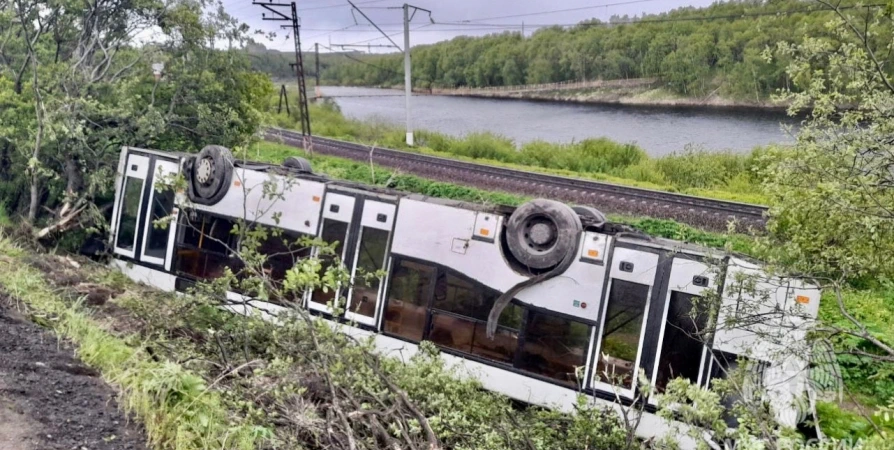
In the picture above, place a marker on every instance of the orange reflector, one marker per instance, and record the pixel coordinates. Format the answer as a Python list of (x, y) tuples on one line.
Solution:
[(593, 253), (237, 183), (484, 231), (316, 198), (803, 299)]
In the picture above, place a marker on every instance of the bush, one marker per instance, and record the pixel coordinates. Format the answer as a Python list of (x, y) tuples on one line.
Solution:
[(484, 146), (701, 169)]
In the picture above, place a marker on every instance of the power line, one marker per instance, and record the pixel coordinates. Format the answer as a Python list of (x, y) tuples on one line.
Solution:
[(664, 19), (469, 27), (391, 35), (554, 11), (346, 55), (340, 6)]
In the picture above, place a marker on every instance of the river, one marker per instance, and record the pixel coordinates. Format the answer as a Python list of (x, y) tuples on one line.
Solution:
[(658, 130)]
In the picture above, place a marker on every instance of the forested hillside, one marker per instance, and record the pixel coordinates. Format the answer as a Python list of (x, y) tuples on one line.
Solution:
[(695, 52)]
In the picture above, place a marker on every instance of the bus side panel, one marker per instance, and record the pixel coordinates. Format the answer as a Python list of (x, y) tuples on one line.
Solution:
[(297, 210)]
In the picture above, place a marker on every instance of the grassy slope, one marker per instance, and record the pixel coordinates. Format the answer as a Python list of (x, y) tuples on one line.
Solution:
[(177, 408), (280, 397)]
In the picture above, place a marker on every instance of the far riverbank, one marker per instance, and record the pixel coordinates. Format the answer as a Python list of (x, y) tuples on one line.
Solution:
[(633, 92)]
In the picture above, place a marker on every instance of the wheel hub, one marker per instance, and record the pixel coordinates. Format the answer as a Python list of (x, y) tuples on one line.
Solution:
[(540, 234), (205, 171)]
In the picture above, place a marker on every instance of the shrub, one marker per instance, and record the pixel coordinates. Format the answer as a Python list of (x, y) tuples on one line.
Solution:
[(485, 146), (696, 168)]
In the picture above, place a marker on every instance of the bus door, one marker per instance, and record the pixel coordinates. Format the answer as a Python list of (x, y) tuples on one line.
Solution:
[(139, 206), (160, 224), (681, 349), (624, 317), (338, 215), (370, 260)]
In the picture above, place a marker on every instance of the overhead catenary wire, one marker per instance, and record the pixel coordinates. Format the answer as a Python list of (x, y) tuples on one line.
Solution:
[(632, 21), (349, 56), (345, 5), (393, 35), (554, 11)]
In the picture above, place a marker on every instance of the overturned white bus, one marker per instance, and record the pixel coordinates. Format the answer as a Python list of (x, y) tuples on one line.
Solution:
[(583, 297)]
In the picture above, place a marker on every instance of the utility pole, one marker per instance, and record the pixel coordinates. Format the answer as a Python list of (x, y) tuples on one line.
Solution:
[(317, 69), (303, 110), (408, 88), (408, 79), (283, 95)]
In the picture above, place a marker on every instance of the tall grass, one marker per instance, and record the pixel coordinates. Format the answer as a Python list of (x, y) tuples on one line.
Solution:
[(5, 221), (723, 175), (177, 408)]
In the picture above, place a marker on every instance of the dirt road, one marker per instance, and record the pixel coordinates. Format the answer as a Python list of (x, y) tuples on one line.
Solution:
[(49, 400)]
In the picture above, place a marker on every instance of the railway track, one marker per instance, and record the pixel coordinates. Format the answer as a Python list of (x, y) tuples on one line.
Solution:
[(696, 211)]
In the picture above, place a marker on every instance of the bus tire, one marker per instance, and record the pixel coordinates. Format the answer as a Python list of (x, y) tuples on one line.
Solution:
[(212, 172), (298, 163), (542, 232), (590, 215)]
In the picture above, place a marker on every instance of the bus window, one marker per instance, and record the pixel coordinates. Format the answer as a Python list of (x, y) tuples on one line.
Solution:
[(334, 232), (130, 209), (157, 236), (282, 253), (462, 325), (621, 332), (554, 347), (370, 259), (681, 347), (407, 308), (205, 246)]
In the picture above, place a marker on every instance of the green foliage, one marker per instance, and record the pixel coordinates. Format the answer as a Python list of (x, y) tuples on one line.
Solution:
[(831, 193), (691, 57), (5, 221), (841, 424), (704, 169), (871, 379), (81, 86)]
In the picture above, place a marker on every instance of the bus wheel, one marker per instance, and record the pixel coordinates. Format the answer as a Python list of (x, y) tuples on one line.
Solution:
[(542, 232), (212, 171), (591, 216), (298, 163)]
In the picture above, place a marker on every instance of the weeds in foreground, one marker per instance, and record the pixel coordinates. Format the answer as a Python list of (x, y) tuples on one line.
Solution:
[(176, 406)]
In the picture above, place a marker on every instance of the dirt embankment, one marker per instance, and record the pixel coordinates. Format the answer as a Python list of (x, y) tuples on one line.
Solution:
[(51, 401), (632, 92)]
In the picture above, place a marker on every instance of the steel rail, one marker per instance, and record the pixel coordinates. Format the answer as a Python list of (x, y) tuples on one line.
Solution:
[(753, 213)]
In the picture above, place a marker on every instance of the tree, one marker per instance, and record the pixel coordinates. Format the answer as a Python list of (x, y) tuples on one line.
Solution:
[(833, 191), (78, 86)]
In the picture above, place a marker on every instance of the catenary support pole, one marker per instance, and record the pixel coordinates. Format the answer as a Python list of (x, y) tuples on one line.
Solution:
[(408, 82), (317, 93)]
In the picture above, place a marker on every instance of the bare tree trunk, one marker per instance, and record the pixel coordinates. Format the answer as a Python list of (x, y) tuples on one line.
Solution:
[(73, 183), (35, 198)]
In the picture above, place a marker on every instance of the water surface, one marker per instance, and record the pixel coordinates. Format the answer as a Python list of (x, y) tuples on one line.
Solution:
[(658, 130)]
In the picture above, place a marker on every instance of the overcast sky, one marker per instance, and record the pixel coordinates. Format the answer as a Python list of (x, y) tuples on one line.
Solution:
[(325, 21)]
